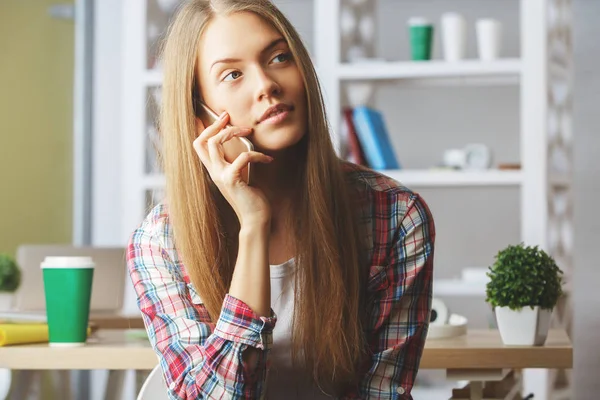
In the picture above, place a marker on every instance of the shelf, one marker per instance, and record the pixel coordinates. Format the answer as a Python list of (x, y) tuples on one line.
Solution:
[(429, 178), (416, 178), (458, 287), (374, 70), (386, 70), (465, 288)]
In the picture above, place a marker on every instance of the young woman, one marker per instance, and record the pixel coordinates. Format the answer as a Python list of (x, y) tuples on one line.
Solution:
[(315, 280)]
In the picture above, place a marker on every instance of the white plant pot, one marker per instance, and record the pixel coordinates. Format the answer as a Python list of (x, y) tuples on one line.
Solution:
[(6, 301), (524, 327)]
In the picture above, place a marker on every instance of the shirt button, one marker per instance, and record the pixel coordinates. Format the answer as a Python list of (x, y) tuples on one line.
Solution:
[(400, 390)]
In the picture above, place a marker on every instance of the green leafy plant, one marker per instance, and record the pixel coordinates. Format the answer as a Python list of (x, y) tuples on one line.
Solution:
[(10, 274), (524, 276)]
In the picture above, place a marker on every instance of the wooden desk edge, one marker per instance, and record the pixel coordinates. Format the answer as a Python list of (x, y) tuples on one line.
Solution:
[(559, 358), (115, 321), (557, 353), (142, 357)]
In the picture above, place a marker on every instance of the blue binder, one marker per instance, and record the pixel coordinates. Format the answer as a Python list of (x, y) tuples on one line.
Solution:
[(373, 136)]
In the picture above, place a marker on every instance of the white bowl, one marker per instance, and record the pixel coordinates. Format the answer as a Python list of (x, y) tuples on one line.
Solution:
[(456, 326)]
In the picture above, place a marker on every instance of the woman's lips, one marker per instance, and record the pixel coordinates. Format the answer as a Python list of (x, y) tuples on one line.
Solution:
[(277, 118), (274, 110)]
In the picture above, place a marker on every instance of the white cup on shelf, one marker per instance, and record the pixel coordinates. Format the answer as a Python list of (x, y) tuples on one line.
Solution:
[(489, 38), (454, 36)]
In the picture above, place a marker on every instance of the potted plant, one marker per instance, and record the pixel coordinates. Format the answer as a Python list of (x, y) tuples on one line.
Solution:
[(525, 284), (10, 278)]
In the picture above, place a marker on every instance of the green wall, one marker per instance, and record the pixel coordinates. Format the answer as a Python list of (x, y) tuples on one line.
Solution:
[(36, 112)]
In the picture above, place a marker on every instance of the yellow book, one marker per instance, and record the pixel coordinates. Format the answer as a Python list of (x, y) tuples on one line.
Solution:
[(23, 333)]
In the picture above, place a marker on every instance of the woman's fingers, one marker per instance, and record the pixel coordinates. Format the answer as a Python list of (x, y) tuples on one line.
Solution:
[(232, 174), (209, 146), (215, 144), (214, 128), (205, 132), (228, 133), (247, 157)]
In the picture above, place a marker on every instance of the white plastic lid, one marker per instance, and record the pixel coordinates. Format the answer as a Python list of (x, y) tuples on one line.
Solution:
[(68, 262), (418, 21)]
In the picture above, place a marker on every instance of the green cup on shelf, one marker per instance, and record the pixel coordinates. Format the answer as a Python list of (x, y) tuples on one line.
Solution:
[(421, 38), (68, 290)]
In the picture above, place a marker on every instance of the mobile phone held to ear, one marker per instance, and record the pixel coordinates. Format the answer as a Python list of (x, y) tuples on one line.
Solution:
[(231, 148)]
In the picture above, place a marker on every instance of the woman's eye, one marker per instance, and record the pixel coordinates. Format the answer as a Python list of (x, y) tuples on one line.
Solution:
[(283, 57), (234, 75)]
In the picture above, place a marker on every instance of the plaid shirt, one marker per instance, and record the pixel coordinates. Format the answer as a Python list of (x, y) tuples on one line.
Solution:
[(203, 359)]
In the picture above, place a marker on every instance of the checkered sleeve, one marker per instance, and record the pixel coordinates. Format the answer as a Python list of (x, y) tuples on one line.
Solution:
[(400, 304), (199, 358)]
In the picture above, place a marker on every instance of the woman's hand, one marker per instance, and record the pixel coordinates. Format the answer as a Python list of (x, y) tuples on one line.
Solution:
[(250, 204)]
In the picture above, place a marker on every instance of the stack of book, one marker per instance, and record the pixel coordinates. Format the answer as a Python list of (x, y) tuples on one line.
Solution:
[(368, 139)]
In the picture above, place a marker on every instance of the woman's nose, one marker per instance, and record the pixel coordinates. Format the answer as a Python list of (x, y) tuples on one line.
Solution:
[(267, 86)]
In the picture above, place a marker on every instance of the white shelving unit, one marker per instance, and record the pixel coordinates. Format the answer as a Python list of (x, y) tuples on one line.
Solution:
[(434, 178), (542, 73)]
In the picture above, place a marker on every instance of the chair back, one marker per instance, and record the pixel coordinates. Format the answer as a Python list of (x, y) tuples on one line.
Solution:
[(5, 381), (154, 387)]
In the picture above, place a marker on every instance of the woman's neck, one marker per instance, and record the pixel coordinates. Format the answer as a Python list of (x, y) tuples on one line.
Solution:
[(278, 180)]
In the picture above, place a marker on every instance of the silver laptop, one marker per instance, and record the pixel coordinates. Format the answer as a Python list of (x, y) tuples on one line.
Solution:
[(107, 288)]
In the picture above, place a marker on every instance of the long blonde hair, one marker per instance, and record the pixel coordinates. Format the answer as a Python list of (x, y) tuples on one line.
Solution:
[(328, 334)]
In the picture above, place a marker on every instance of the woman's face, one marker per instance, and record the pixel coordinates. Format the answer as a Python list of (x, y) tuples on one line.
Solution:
[(246, 68)]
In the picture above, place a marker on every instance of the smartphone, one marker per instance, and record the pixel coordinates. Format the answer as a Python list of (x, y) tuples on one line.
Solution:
[(231, 148)]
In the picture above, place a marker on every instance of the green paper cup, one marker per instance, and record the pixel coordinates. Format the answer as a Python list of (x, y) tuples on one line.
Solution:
[(421, 38), (68, 289)]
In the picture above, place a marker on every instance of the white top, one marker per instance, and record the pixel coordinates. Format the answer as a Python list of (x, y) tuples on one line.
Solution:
[(284, 382)]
